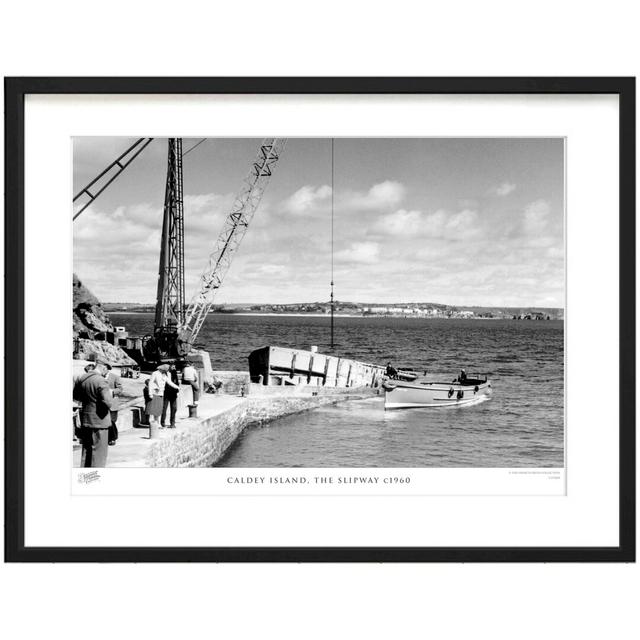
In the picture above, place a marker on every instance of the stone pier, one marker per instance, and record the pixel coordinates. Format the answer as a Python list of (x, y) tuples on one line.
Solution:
[(222, 417)]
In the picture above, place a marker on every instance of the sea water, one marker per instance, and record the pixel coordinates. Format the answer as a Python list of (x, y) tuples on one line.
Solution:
[(521, 426)]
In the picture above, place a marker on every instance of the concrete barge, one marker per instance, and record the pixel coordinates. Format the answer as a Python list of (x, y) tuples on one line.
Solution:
[(279, 366)]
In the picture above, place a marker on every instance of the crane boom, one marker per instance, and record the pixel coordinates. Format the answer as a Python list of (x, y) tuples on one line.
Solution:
[(110, 173), (234, 229), (170, 296), (164, 344)]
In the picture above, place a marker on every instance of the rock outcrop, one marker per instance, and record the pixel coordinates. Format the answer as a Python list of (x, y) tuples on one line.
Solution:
[(90, 326), (92, 349), (89, 317)]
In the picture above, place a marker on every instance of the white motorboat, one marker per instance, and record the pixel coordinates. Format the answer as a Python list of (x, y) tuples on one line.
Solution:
[(400, 394)]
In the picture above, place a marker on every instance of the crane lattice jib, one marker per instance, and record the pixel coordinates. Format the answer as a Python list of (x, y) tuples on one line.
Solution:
[(170, 296), (109, 174), (234, 229)]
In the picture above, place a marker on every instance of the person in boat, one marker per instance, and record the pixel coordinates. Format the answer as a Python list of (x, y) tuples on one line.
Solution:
[(391, 371), (463, 376)]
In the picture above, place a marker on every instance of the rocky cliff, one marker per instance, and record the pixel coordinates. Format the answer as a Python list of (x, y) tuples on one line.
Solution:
[(90, 322)]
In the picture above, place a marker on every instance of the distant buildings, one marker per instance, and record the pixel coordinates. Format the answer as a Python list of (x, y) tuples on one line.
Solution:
[(533, 315), (407, 310)]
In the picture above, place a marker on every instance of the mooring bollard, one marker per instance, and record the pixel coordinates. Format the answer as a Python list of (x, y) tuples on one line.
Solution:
[(154, 430), (193, 410)]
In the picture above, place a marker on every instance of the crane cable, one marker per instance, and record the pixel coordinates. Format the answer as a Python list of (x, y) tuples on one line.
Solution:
[(332, 199), (190, 149)]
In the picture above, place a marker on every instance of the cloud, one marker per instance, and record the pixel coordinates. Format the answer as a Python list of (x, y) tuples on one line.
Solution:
[(536, 217), (461, 225), (359, 252), (503, 189), (440, 224), (382, 195), (402, 223), (384, 252), (542, 242), (111, 245), (307, 198), (202, 202), (272, 269), (120, 228), (312, 199)]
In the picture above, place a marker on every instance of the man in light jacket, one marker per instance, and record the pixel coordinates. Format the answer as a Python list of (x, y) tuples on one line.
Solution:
[(190, 377), (115, 384), (93, 392)]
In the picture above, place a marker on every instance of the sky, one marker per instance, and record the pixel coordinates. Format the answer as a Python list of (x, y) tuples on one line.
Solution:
[(461, 221)]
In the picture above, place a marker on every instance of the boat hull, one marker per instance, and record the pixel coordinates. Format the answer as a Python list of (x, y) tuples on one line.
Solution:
[(406, 395)]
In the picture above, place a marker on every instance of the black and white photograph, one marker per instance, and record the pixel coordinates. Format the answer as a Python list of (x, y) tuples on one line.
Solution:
[(372, 313), (319, 302), (341, 305)]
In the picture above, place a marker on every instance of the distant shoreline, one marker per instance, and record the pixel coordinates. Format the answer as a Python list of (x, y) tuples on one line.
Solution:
[(336, 315)]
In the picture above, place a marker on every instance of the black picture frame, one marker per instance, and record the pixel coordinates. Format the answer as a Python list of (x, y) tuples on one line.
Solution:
[(15, 91)]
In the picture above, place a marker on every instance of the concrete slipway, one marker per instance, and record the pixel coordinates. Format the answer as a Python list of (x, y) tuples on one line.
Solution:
[(222, 417)]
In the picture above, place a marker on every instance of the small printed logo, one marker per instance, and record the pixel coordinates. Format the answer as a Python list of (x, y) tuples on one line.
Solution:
[(88, 477)]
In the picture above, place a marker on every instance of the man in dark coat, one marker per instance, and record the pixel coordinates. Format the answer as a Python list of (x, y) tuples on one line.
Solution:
[(170, 398), (93, 392)]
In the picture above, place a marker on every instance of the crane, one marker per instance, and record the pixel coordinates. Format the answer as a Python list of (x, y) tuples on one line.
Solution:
[(176, 327), (233, 231), (170, 291)]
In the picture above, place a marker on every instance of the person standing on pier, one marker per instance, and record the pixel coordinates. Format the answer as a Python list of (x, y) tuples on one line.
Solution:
[(115, 384), (170, 398), (147, 402), (94, 395), (190, 377), (157, 382)]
